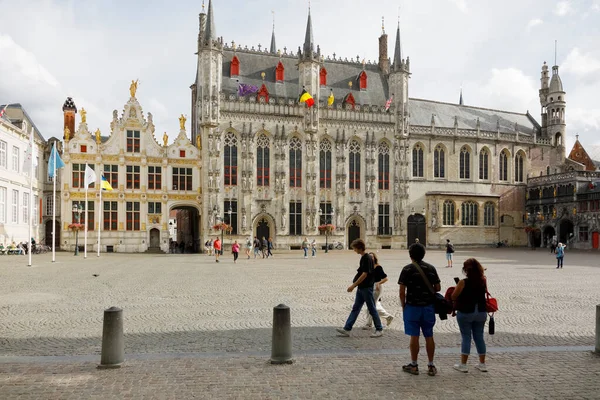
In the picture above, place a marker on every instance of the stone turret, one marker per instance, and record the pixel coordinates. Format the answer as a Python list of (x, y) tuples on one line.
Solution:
[(69, 111)]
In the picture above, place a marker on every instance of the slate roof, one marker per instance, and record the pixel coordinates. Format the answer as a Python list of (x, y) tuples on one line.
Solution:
[(253, 63), (15, 113)]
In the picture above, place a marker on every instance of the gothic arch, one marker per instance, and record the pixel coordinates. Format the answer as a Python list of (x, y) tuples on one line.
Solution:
[(259, 217), (385, 142)]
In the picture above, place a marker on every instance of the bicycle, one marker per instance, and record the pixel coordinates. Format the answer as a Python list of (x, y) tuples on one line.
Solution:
[(336, 245)]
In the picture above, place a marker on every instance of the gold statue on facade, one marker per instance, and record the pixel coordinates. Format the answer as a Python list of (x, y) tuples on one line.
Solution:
[(98, 137), (133, 87), (199, 142), (182, 120), (165, 139), (83, 115), (67, 133)]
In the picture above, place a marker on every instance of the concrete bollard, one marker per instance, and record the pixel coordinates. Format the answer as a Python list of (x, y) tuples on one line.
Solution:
[(113, 352), (598, 329), (281, 347)]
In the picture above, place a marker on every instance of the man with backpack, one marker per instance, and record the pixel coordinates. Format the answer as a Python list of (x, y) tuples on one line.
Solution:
[(449, 252)]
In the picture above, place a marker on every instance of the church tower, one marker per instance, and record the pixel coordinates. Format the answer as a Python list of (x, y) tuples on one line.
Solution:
[(69, 111), (206, 89), (309, 63), (398, 85)]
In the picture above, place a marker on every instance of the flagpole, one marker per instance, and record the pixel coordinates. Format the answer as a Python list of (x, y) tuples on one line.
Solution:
[(54, 204), (30, 247), (100, 215), (86, 220)]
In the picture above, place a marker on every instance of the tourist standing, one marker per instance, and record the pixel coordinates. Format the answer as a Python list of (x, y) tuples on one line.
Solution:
[(313, 247), (305, 247), (380, 277), (269, 247), (364, 281), (217, 246), (471, 313), (560, 255), (417, 303), (449, 252), (248, 246), (235, 249)]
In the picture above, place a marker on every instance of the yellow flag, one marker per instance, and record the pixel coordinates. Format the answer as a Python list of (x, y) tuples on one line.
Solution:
[(330, 99)]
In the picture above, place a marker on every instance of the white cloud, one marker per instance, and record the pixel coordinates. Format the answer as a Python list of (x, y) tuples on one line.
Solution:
[(510, 89), (563, 8), (582, 64), (533, 23), (462, 5), (596, 6)]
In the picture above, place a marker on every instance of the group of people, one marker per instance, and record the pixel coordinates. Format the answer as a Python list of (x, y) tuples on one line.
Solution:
[(13, 248), (419, 283), (312, 246), (264, 247)]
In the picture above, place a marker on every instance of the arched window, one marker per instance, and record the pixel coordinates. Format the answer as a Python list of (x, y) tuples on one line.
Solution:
[(323, 77), (234, 68), (417, 161), (489, 214), (384, 166), (262, 160), (449, 210), (354, 165), (465, 163), (484, 159), (519, 167), (468, 212), (503, 166), (230, 160), (362, 80), (325, 164), (439, 162), (279, 72), (295, 163)]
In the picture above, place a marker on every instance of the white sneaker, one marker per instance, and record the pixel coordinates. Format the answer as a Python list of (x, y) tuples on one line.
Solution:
[(482, 367), (389, 320), (343, 332), (377, 334), (461, 368)]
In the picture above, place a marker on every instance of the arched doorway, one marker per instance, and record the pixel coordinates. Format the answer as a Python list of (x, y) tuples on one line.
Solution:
[(417, 229), (353, 231), (48, 234), (263, 229), (154, 238), (565, 231), (549, 233), (187, 220)]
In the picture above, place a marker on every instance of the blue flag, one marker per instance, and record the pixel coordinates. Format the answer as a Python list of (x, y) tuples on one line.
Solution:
[(55, 161)]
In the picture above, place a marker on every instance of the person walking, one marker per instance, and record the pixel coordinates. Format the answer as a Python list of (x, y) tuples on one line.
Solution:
[(256, 246), (211, 248), (560, 255), (417, 303), (313, 248), (471, 314), (248, 246), (263, 247), (305, 247), (269, 247), (364, 281), (235, 249), (217, 246), (449, 252), (380, 277)]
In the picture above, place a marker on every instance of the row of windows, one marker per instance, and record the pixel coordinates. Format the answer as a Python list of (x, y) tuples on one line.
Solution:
[(110, 214), (465, 160), (469, 213), (182, 176), (15, 160), (17, 200)]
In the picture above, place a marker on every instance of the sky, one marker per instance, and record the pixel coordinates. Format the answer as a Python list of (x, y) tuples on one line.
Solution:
[(90, 50)]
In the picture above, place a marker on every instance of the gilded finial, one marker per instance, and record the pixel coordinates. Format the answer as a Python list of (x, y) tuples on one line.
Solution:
[(350, 84), (83, 114), (67, 133), (182, 120), (98, 136), (382, 24), (133, 87), (165, 139), (202, 5), (262, 75)]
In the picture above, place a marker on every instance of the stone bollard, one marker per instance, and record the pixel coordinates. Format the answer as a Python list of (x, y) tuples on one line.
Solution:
[(598, 329), (112, 339), (281, 347)]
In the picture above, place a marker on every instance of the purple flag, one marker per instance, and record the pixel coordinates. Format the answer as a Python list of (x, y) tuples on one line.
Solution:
[(244, 89)]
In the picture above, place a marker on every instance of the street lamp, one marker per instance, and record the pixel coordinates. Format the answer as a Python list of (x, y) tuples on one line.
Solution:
[(77, 210), (327, 221), (228, 212)]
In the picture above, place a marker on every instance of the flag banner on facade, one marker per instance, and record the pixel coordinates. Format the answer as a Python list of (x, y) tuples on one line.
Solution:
[(55, 161), (305, 97), (30, 155), (245, 89), (3, 110), (388, 103), (90, 176), (105, 185), (330, 99)]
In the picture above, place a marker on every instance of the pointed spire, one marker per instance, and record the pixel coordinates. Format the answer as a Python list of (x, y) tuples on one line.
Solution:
[(461, 98), (397, 50), (273, 48), (210, 33), (308, 38)]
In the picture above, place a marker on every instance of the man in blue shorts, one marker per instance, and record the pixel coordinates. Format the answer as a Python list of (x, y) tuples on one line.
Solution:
[(418, 307)]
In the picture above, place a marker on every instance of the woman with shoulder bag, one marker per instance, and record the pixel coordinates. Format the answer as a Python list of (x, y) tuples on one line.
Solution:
[(470, 304)]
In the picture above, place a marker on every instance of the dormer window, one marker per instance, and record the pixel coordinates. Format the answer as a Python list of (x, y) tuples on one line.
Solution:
[(323, 77), (263, 94), (362, 80), (279, 73), (234, 68)]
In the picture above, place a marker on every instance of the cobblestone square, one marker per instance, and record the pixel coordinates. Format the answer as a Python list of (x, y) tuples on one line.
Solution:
[(218, 316)]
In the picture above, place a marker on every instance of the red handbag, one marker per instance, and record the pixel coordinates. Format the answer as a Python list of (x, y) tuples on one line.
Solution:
[(491, 304)]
